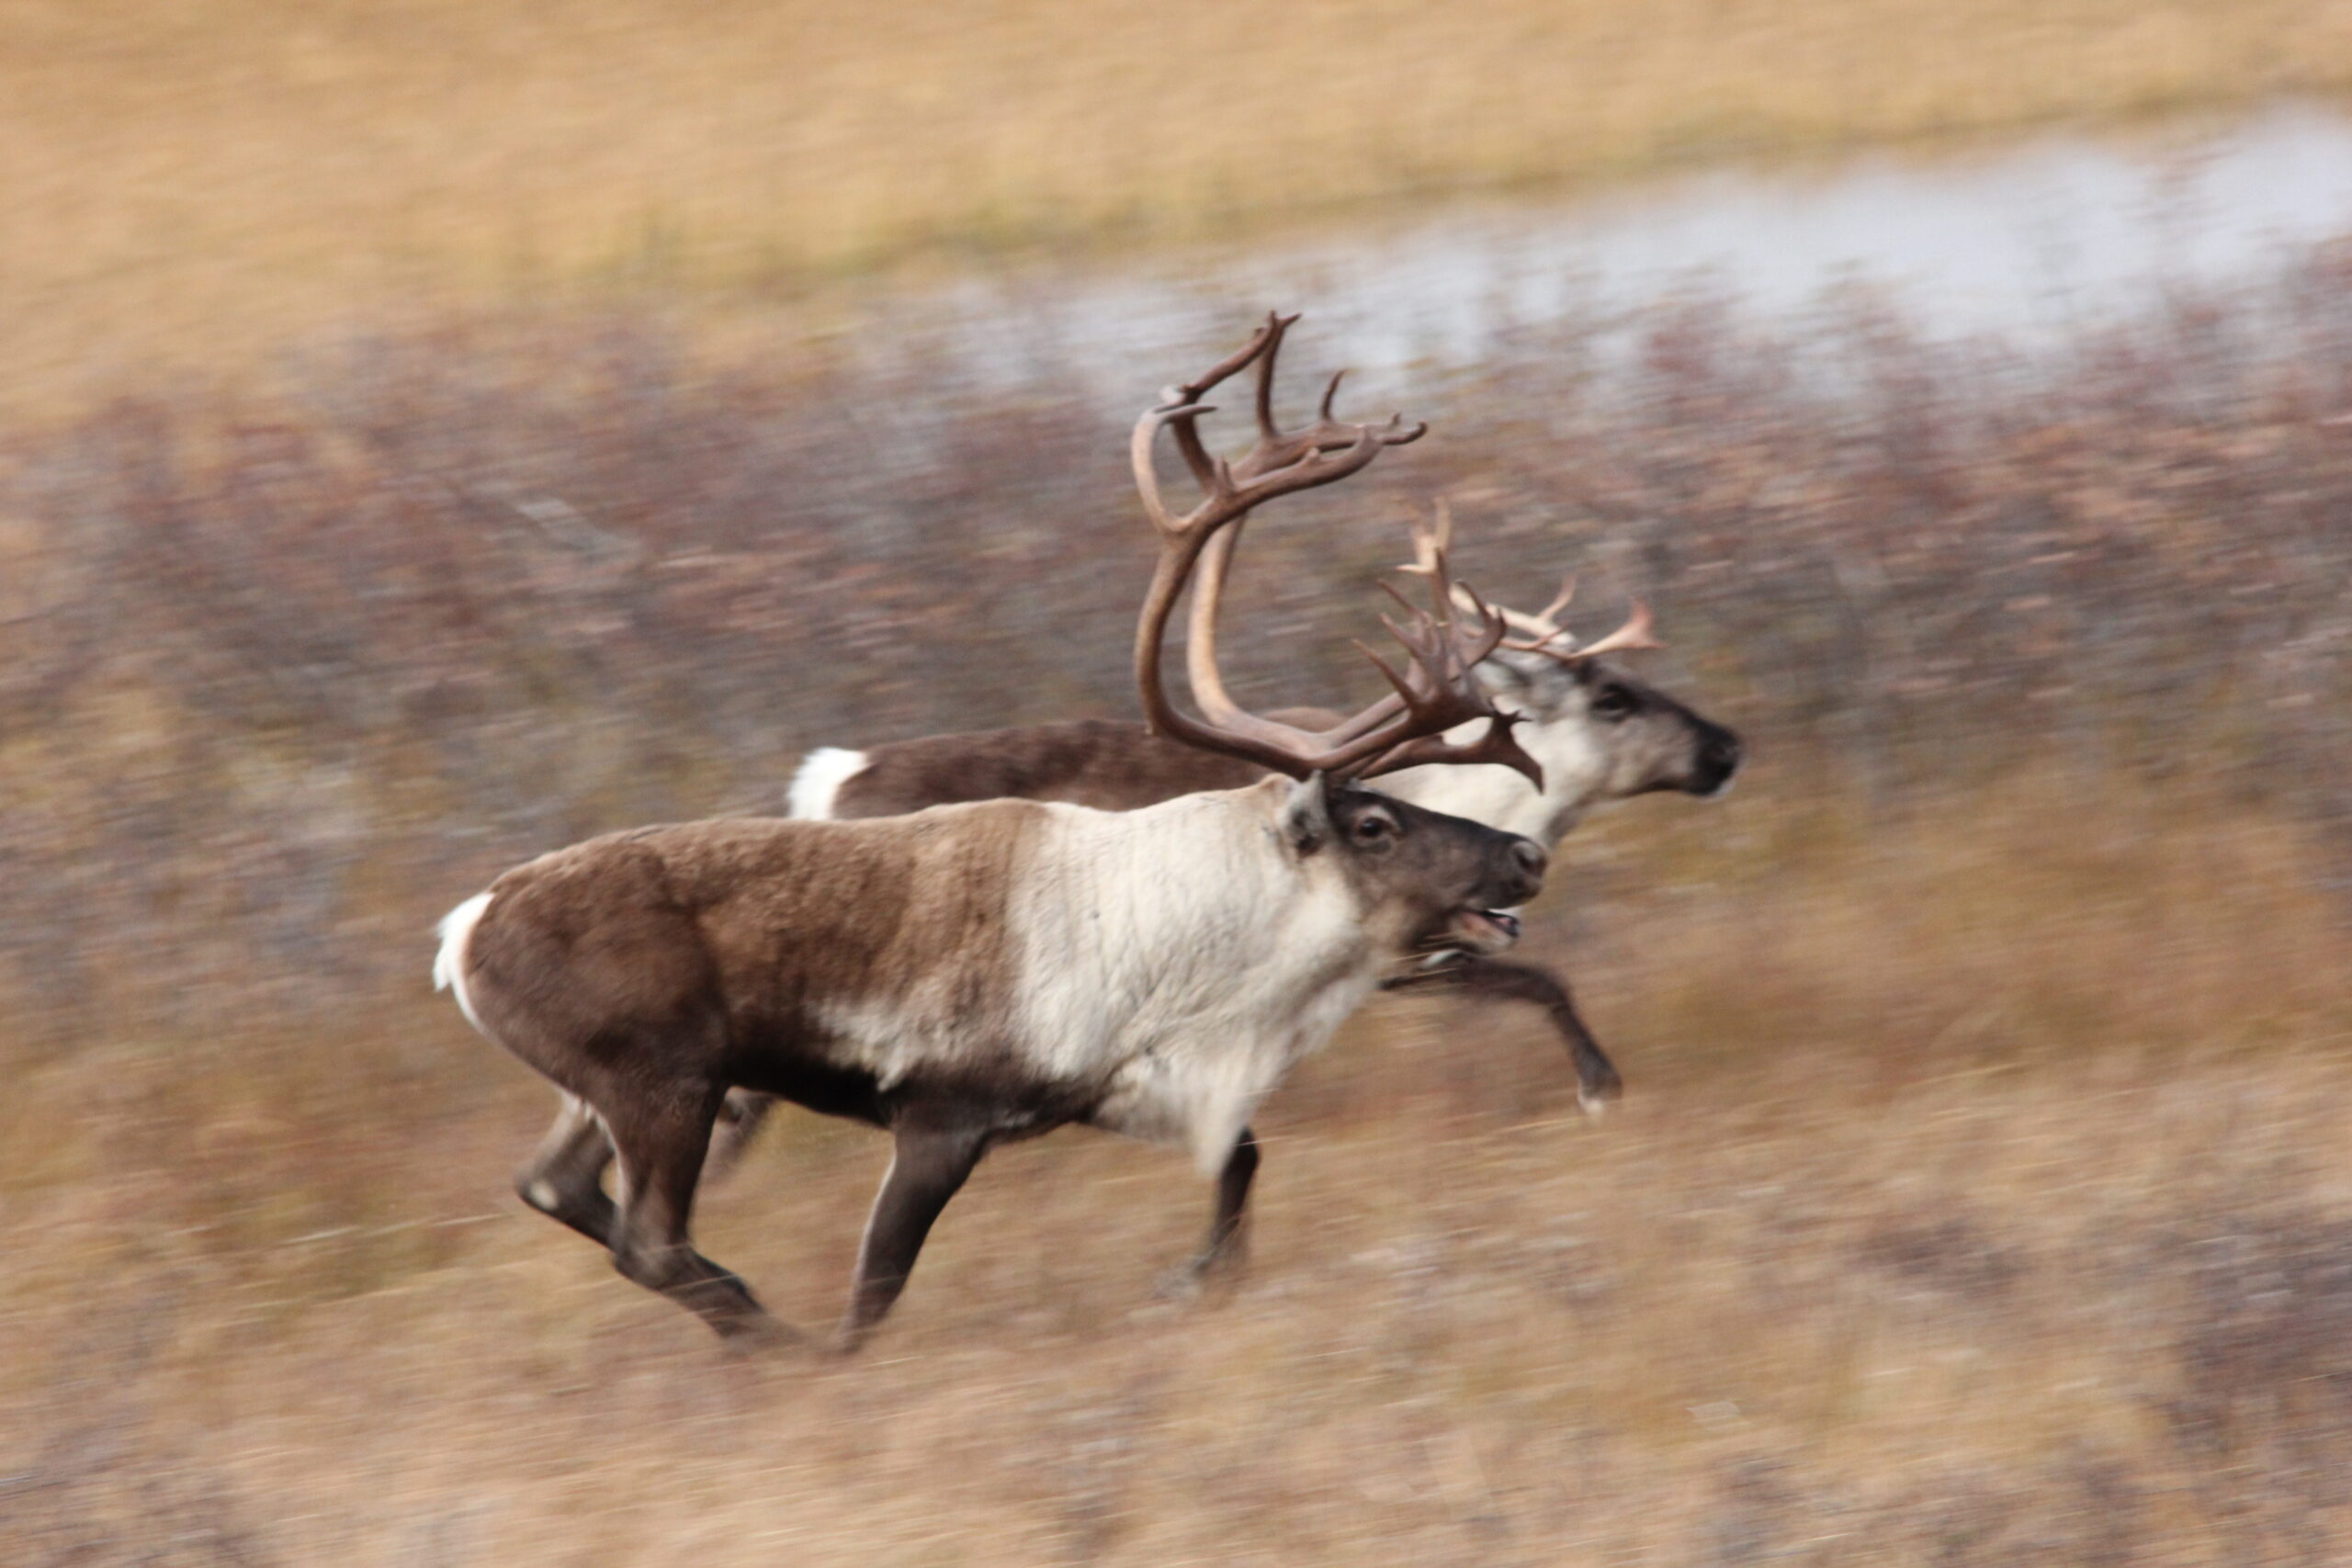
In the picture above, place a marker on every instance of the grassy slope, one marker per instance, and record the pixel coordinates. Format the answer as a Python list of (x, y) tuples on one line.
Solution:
[(187, 184), (1980, 1200), (1980, 1197), (1880, 1267)]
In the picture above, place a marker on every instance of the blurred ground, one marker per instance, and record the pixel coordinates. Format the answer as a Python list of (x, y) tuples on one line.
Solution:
[(1939, 1228), (1980, 1191)]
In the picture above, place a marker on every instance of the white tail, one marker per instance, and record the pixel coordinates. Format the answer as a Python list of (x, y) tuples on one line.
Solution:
[(449, 965), (821, 778)]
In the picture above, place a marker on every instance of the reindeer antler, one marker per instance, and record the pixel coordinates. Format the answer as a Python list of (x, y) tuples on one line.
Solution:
[(1435, 693), (1274, 448), (1540, 632)]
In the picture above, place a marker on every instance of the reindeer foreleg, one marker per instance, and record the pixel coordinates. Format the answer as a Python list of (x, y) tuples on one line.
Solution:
[(1491, 979), (927, 1166), (1227, 1247)]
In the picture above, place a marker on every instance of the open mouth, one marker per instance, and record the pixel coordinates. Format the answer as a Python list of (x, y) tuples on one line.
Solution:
[(1483, 930)]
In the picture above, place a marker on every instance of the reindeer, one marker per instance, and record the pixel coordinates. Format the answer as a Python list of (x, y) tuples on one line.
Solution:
[(1600, 735), (978, 973)]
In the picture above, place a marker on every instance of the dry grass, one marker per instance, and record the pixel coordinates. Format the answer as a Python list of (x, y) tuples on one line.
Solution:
[(197, 184), (1878, 1265), (1979, 1200), (278, 673)]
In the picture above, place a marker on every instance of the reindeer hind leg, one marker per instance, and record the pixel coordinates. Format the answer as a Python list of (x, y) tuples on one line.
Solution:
[(661, 1135), (740, 1118), (565, 1177)]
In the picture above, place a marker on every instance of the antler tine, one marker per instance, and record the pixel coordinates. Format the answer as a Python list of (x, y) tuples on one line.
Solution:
[(1451, 657), (1476, 647), (1451, 696), (1139, 447), (1552, 640), (1267, 337), (1429, 548), (1549, 615), (1496, 745), (1429, 543), (1267, 430), (1638, 631), (1543, 632), (1539, 630), (1439, 690), (1278, 466), (1277, 448), (1471, 645), (1263, 345)]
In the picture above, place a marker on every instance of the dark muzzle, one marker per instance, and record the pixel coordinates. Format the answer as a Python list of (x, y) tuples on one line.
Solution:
[(1719, 753), (1522, 874)]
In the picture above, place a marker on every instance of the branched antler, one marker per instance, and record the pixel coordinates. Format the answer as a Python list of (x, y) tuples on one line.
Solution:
[(1540, 632), (1274, 448), (1436, 691)]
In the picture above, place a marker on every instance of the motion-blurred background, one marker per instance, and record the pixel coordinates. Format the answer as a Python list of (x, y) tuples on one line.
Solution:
[(432, 432)]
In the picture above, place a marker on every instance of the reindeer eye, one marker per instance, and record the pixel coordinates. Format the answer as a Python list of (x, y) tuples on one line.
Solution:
[(1613, 702), (1373, 827)]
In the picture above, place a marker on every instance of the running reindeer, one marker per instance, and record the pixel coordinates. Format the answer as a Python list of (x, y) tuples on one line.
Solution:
[(1600, 735), (979, 973)]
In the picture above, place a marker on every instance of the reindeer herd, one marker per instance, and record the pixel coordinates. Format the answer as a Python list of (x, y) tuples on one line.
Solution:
[(970, 939)]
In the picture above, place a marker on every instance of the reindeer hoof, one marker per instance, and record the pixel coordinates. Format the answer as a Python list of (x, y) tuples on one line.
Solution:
[(760, 1335), (1597, 1094), (843, 1344), (1180, 1284), (1215, 1274)]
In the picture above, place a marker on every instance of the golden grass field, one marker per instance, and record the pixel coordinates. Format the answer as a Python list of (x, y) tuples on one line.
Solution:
[(1979, 1197), (1981, 1192), (193, 185)]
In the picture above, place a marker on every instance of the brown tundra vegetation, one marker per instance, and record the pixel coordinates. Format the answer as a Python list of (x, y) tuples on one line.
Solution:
[(1979, 1194)]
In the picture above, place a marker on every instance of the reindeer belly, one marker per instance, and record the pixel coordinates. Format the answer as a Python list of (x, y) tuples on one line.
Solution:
[(879, 1062), (1199, 1092), (830, 1089), (1196, 1099)]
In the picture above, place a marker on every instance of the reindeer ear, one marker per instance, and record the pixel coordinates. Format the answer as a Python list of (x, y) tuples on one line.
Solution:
[(1306, 816)]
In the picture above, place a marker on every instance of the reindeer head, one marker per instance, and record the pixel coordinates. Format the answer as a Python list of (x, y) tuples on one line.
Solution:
[(1600, 733)]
